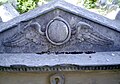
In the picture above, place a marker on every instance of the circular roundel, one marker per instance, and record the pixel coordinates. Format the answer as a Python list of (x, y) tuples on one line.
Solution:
[(58, 31)]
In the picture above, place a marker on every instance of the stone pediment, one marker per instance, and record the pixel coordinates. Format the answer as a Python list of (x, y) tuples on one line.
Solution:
[(66, 31), (59, 27)]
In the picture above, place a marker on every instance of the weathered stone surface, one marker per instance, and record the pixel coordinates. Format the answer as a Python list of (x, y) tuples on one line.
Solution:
[(73, 32), (78, 77), (8, 12), (60, 38), (57, 78), (99, 58), (58, 31), (118, 16), (0, 19)]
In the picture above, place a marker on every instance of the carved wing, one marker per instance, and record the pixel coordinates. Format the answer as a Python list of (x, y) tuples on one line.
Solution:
[(86, 33), (30, 33), (16, 40)]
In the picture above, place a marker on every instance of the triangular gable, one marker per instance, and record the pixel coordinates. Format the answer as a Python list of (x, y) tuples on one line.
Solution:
[(59, 27)]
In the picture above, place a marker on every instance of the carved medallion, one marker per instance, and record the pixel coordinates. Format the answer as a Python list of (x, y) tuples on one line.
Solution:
[(58, 31)]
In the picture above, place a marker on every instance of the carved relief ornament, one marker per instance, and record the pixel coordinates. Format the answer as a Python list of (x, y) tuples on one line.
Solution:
[(86, 33), (57, 32), (30, 33)]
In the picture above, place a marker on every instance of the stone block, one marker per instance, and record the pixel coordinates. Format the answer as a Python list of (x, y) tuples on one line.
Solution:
[(8, 12)]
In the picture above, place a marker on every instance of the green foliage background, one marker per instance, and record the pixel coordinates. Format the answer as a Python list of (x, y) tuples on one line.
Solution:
[(26, 5), (3, 1), (90, 3)]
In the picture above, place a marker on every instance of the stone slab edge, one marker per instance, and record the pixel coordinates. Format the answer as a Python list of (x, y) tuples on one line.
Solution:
[(30, 59)]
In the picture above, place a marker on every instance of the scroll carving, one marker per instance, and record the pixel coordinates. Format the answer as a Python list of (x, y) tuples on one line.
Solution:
[(85, 33)]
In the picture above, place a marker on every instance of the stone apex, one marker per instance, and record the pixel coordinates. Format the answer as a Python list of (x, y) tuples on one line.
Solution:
[(61, 4)]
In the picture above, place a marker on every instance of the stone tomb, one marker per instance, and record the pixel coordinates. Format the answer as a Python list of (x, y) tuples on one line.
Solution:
[(59, 43)]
